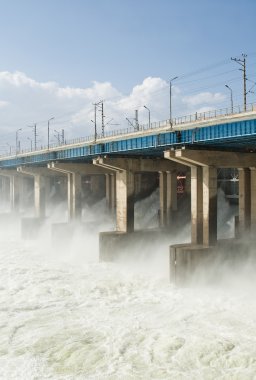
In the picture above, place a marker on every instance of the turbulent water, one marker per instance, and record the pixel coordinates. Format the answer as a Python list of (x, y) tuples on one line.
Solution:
[(64, 315)]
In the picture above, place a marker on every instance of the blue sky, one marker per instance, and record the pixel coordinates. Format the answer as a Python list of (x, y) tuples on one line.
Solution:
[(77, 43)]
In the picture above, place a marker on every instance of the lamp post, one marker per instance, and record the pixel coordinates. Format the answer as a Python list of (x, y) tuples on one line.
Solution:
[(17, 140), (48, 133), (171, 80), (149, 124), (231, 97)]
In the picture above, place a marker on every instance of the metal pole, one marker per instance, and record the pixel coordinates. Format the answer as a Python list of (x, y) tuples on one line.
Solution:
[(17, 141), (95, 121), (231, 98), (35, 135), (149, 123), (242, 62), (171, 99), (48, 133), (102, 120), (62, 136), (244, 72)]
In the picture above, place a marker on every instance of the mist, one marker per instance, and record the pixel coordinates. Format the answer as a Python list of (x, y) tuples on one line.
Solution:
[(65, 315)]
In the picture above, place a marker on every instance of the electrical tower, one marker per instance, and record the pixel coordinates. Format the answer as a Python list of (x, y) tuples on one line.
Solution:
[(35, 134), (136, 120), (99, 107), (242, 62)]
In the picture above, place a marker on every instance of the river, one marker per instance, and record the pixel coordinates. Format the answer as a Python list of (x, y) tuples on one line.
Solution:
[(64, 315)]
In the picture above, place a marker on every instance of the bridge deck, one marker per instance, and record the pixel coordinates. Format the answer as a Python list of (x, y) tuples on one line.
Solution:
[(232, 132)]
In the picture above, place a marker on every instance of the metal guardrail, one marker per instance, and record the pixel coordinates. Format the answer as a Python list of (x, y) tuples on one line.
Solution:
[(179, 121)]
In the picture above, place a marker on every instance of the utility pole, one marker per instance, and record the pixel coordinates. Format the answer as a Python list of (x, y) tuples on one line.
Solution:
[(136, 120), (17, 141), (62, 136), (171, 80), (48, 133), (102, 120), (242, 62), (35, 136), (100, 107), (149, 123)]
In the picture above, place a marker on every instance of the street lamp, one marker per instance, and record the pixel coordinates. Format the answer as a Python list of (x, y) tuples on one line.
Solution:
[(171, 80), (149, 124), (231, 97), (48, 133), (17, 141)]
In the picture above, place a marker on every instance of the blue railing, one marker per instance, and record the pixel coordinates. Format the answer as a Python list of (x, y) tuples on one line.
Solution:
[(228, 135), (160, 125)]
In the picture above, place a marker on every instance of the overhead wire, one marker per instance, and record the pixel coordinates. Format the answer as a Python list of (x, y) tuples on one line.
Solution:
[(164, 88)]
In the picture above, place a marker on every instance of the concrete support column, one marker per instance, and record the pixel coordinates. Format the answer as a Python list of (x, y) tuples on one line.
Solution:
[(14, 192), (24, 192), (5, 188), (125, 201), (74, 196), (253, 201), (163, 199), (111, 191), (209, 205), (196, 205), (40, 195), (168, 196), (244, 199), (171, 201)]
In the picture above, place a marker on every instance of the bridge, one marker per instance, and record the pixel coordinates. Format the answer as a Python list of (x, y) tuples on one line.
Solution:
[(196, 145)]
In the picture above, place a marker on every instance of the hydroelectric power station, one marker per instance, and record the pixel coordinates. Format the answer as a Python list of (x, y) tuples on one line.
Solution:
[(183, 157)]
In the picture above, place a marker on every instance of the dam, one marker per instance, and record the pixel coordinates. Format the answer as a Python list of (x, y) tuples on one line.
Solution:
[(129, 164)]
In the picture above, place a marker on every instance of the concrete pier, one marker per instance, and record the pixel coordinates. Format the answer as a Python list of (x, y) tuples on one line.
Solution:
[(125, 171), (203, 165)]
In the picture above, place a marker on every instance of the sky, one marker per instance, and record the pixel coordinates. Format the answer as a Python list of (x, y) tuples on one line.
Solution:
[(58, 57)]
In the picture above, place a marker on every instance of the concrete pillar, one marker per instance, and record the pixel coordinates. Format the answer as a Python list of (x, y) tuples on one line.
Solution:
[(171, 200), (253, 201), (14, 192), (196, 180), (48, 185), (27, 193), (163, 199), (74, 195), (188, 182), (168, 197), (111, 191), (244, 199), (40, 195), (125, 201), (5, 188), (209, 205)]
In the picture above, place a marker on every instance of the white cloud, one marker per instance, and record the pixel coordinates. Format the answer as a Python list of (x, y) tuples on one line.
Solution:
[(27, 101)]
